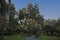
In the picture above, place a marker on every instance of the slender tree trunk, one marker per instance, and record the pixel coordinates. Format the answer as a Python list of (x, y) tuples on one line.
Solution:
[(2, 34), (2, 27)]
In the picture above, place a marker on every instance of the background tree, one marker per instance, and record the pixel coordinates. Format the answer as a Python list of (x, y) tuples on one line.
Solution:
[(3, 10), (32, 16), (58, 27), (50, 27), (13, 24)]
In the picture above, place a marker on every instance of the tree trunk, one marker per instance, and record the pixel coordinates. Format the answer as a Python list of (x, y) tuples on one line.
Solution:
[(2, 27), (2, 33)]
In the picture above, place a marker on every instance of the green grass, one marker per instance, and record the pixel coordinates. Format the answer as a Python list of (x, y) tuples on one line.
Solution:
[(13, 37), (19, 37), (48, 38)]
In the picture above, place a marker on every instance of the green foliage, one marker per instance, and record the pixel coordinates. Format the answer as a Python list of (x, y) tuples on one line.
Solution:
[(3, 7), (21, 15)]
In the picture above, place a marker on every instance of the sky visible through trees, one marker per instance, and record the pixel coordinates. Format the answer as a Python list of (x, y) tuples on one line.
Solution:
[(49, 8)]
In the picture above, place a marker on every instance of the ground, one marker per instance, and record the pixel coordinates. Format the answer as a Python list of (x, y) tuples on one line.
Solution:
[(18, 37)]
